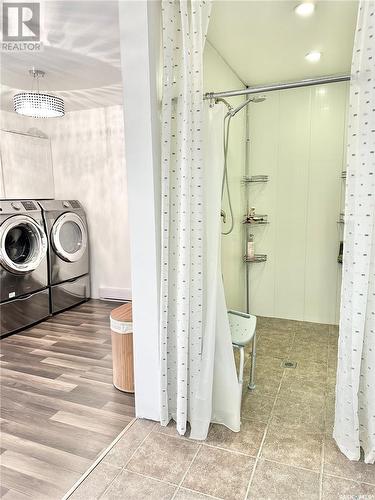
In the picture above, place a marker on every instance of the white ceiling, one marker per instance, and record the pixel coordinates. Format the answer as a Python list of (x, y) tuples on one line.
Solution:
[(81, 56), (265, 41)]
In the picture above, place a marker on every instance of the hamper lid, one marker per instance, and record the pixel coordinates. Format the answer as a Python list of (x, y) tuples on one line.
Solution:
[(123, 313), (121, 319)]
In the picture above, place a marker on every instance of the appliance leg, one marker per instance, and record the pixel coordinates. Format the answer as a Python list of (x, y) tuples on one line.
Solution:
[(251, 385)]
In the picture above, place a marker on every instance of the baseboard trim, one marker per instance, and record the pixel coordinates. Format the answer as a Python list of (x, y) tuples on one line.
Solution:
[(115, 293)]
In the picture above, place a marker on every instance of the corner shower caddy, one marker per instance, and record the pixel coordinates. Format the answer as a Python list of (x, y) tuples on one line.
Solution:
[(255, 220), (258, 257), (255, 178)]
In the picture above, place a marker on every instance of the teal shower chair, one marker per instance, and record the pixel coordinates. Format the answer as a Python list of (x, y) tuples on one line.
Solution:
[(243, 331)]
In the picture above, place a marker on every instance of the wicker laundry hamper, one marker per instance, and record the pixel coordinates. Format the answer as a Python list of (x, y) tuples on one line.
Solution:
[(122, 348)]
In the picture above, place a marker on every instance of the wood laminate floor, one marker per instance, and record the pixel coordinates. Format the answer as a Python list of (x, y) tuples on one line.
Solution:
[(59, 409)]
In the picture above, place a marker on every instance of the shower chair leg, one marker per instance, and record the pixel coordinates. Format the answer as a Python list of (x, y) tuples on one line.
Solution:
[(251, 385), (242, 362)]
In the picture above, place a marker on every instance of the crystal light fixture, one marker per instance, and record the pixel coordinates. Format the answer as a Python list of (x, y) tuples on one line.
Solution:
[(37, 104)]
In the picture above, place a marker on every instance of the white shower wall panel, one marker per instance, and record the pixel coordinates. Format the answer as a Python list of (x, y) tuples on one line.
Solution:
[(298, 138), (219, 76), (323, 233), (289, 206)]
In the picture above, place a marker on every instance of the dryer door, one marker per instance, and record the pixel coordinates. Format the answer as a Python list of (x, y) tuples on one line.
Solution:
[(69, 237), (23, 244)]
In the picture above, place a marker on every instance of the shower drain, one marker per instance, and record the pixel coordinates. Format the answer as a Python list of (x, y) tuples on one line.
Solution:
[(288, 364)]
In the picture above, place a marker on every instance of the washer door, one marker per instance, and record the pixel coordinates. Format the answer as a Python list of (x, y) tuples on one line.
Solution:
[(23, 244), (69, 237)]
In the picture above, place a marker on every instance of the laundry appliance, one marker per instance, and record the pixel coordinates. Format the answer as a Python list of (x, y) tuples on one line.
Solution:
[(24, 294), (68, 253)]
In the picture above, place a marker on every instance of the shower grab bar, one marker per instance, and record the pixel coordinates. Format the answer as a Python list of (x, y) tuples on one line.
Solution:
[(239, 313)]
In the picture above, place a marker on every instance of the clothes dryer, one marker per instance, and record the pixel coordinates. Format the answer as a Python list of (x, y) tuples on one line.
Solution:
[(68, 253)]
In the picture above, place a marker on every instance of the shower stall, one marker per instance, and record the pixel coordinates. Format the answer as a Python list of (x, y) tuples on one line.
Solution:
[(289, 194)]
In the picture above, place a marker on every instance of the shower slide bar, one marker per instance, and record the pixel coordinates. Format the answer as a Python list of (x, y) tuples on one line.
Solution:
[(278, 86)]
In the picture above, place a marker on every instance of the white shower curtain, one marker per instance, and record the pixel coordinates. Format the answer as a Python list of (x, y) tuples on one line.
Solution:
[(355, 390), (195, 347)]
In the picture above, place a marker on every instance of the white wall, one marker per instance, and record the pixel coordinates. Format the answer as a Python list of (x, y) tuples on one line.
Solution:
[(23, 124), (140, 43), (297, 138), (18, 171), (219, 76), (88, 153), (89, 165)]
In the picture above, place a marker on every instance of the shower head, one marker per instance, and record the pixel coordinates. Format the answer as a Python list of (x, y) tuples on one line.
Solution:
[(254, 99), (259, 98)]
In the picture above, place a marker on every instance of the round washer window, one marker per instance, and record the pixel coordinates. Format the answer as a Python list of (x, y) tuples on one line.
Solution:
[(23, 244), (70, 237), (19, 244)]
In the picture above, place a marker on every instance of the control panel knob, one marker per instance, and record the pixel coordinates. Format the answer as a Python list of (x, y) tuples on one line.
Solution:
[(66, 204), (16, 206)]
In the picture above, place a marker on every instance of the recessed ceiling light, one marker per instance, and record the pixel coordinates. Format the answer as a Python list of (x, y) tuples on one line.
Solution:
[(305, 9), (313, 56)]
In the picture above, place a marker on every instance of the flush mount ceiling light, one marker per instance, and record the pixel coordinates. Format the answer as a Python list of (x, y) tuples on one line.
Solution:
[(313, 56), (37, 104), (305, 9)]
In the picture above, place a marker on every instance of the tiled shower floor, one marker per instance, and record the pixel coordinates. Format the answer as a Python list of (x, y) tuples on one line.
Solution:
[(284, 449)]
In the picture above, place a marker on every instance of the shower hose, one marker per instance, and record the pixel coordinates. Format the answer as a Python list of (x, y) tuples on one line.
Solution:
[(225, 182)]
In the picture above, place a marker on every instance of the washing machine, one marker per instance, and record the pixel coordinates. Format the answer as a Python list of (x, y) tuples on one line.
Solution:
[(68, 253), (24, 294)]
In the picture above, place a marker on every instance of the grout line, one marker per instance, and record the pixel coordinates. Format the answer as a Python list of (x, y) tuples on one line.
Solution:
[(236, 452), (265, 433), (97, 461), (177, 486), (347, 479), (137, 448), (316, 471), (203, 494), (140, 474), (175, 436), (126, 463), (325, 427), (187, 470)]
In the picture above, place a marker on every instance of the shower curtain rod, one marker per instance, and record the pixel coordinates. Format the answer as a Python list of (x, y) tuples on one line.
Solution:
[(278, 86)]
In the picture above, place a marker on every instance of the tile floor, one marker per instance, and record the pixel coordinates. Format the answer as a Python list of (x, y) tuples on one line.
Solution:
[(284, 450)]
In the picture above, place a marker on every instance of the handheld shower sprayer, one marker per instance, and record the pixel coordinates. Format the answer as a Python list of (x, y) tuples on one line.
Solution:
[(225, 183)]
